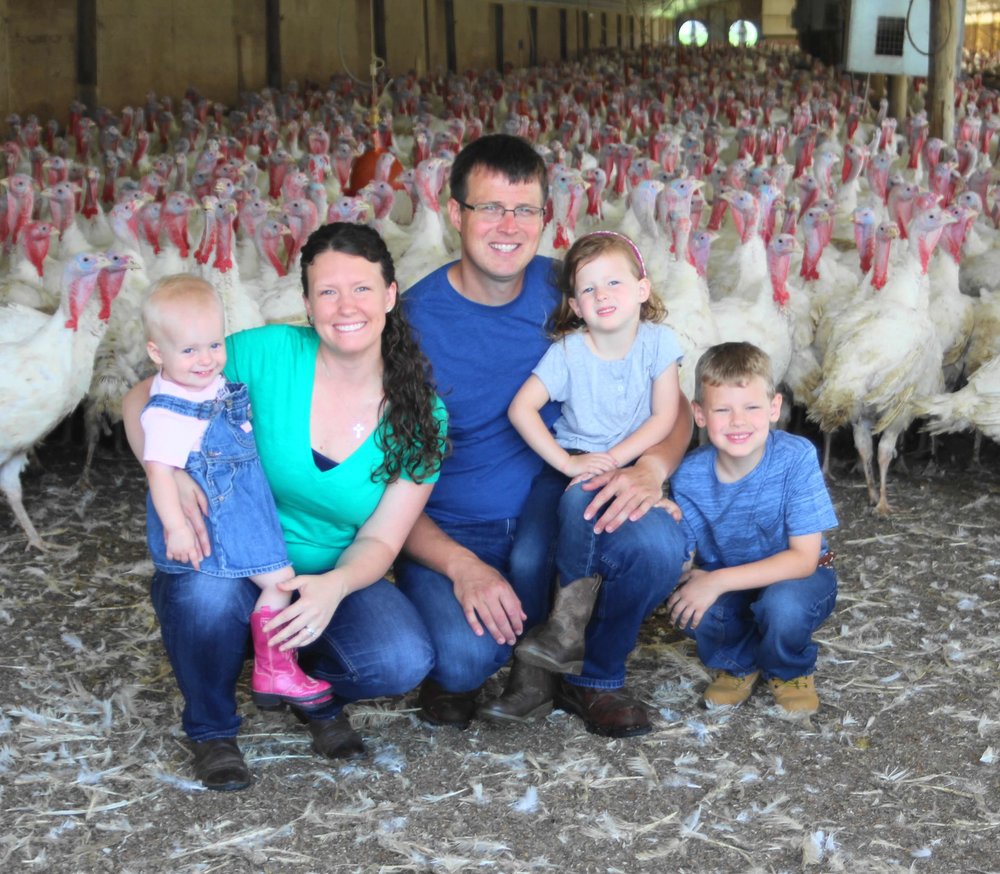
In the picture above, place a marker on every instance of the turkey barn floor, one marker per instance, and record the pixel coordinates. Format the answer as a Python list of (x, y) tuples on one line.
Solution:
[(899, 771)]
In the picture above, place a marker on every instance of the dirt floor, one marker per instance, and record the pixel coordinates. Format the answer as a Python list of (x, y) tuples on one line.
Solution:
[(898, 772)]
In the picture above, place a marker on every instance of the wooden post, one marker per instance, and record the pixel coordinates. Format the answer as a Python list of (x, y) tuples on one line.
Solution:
[(946, 25), (878, 88), (898, 90)]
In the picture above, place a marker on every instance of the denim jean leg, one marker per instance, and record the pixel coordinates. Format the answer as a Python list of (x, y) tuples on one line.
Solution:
[(462, 660), (640, 564), (204, 623), (532, 558), (376, 645), (786, 616), (727, 636)]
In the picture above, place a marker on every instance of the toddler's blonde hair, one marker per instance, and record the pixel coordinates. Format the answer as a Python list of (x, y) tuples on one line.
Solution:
[(180, 290)]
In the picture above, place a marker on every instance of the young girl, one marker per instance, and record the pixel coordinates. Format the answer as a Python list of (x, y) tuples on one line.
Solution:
[(614, 370), (612, 367), (198, 422)]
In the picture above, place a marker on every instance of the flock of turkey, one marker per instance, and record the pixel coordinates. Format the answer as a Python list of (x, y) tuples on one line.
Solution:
[(772, 200)]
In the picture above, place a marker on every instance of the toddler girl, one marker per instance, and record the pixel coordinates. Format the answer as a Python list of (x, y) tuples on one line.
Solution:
[(198, 422)]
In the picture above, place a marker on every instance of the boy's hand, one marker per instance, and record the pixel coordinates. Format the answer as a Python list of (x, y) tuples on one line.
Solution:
[(182, 546), (671, 508), (689, 601), (589, 464)]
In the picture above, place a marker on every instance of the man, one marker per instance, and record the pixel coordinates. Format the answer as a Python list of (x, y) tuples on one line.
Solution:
[(478, 563)]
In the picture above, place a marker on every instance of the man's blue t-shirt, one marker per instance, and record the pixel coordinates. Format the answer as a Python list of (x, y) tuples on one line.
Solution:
[(481, 355), (736, 523)]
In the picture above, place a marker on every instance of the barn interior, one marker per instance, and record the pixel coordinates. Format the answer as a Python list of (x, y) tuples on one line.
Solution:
[(127, 127)]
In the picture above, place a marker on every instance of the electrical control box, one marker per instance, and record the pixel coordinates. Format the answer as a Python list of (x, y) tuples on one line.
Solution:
[(888, 36)]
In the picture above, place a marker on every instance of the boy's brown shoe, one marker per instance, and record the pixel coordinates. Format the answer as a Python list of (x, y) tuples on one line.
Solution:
[(727, 690), (797, 695)]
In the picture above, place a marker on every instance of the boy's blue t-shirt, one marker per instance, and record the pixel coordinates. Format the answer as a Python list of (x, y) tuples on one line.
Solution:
[(731, 524), (480, 356)]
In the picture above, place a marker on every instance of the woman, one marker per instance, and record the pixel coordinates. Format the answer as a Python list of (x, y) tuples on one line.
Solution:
[(351, 436)]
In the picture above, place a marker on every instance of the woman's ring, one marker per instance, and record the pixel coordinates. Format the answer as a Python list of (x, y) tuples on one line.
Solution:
[(309, 631)]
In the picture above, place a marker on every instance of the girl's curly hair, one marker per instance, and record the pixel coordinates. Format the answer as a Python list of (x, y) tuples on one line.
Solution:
[(409, 435)]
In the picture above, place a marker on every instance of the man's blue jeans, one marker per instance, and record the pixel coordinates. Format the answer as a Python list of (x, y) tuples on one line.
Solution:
[(640, 564)]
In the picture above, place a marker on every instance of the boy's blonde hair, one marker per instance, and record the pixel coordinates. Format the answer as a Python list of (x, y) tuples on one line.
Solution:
[(733, 364), (583, 251), (184, 289)]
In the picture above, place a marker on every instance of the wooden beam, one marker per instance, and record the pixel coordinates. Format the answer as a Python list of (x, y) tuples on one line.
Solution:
[(898, 89), (946, 26)]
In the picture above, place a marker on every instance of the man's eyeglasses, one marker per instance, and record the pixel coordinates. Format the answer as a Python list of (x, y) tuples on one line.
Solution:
[(494, 212)]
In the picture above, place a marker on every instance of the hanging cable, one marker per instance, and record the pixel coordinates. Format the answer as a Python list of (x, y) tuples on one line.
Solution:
[(944, 42)]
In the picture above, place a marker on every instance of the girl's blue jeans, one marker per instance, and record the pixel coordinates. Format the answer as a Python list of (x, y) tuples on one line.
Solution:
[(376, 644)]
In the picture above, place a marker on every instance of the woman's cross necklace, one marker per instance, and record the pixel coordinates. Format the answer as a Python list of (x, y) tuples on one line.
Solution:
[(357, 429)]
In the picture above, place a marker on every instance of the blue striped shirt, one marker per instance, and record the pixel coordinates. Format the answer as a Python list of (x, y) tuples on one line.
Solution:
[(730, 524)]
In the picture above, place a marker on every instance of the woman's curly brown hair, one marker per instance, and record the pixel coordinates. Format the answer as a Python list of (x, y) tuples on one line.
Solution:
[(409, 435)]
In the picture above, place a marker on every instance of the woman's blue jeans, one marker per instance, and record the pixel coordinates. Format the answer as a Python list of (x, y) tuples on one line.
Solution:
[(640, 564), (768, 629), (375, 645)]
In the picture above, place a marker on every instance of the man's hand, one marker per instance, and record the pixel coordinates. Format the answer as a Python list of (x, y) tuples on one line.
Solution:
[(632, 491), (487, 599)]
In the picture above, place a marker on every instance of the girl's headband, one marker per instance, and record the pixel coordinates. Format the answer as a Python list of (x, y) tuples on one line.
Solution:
[(632, 246)]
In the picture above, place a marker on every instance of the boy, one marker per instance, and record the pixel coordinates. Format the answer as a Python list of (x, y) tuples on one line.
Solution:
[(755, 507)]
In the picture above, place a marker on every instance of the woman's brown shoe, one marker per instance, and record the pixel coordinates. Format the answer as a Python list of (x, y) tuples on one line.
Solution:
[(219, 765), (334, 738)]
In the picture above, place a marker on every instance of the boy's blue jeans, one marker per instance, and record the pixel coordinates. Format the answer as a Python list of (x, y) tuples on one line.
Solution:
[(640, 564), (768, 629), (375, 645)]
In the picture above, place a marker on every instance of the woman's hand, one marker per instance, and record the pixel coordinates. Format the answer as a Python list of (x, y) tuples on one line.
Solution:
[(689, 601), (302, 621), (195, 507)]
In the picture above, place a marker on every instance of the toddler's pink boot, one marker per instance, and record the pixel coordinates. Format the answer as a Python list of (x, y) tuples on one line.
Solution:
[(277, 678)]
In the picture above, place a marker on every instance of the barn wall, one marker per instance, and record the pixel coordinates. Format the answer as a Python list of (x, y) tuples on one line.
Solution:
[(404, 35), (474, 34), (982, 32), (220, 47), (776, 21), (320, 39), (39, 45), (772, 17), (548, 34)]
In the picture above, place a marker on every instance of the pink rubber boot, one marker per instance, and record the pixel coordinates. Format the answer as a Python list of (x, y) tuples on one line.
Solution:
[(277, 678)]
